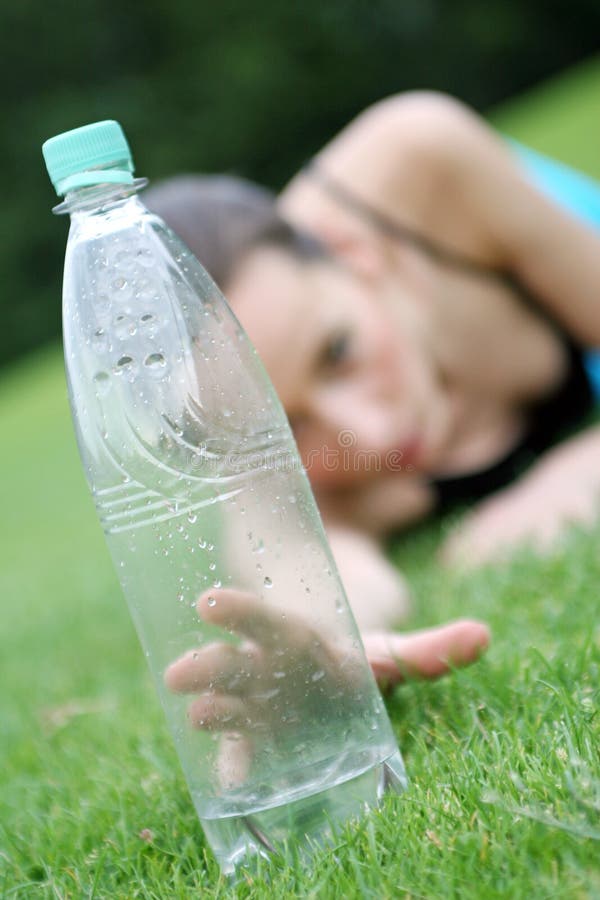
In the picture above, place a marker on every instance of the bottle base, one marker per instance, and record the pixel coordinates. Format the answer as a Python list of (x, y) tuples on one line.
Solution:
[(291, 831)]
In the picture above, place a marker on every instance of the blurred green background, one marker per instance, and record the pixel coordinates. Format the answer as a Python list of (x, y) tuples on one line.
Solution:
[(234, 86)]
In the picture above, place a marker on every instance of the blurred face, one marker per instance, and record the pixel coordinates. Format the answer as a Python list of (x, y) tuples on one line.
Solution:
[(350, 367)]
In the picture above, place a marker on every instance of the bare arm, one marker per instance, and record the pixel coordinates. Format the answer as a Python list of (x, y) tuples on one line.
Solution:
[(553, 253), (437, 167), (376, 591), (562, 489)]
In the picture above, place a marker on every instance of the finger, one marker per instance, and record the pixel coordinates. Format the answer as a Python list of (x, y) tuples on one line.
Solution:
[(236, 611), (286, 634), (244, 613), (234, 760), (215, 665), (219, 712), (425, 654)]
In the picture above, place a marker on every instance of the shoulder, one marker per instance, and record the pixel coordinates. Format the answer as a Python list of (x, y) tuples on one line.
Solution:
[(395, 155), (413, 156), (426, 112), (423, 126)]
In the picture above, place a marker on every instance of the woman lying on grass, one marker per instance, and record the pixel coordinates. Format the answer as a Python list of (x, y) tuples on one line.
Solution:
[(423, 312)]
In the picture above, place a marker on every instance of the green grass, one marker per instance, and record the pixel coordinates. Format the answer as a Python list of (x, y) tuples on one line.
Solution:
[(560, 117), (504, 799)]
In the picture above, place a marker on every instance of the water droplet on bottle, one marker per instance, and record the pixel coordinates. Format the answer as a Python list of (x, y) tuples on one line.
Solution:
[(145, 292), (212, 566), (201, 543), (155, 361), (149, 323), (217, 583), (267, 582), (123, 259), (144, 257), (100, 340), (211, 601), (180, 597), (124, 363), (102, 381), (316, 676), (121, 288), (124, 327), (192, 517)]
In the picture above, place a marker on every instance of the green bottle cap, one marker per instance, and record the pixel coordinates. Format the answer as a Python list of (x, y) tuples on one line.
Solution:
[(93, 154)]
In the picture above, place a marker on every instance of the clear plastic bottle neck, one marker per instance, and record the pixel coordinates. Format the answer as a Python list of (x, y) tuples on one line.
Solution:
[(98, 197)]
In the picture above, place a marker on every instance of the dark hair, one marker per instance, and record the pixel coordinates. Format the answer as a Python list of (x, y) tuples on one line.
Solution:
[(222, 218)]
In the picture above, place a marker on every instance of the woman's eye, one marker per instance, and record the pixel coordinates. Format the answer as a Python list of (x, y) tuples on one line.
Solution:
[(337, 349)]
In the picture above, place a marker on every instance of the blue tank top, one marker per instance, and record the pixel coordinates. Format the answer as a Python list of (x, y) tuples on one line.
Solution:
[(577, 193)]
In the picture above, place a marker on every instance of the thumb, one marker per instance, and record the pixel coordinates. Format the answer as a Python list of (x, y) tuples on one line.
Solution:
[(424, 654)]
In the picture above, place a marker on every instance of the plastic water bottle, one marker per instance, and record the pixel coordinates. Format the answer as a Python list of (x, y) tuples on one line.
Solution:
[(212, 527)]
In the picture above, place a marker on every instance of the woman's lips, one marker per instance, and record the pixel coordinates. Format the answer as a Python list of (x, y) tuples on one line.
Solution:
[(409, 453)]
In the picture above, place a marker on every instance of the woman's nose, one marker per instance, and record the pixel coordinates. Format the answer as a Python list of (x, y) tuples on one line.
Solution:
[(360, 425)]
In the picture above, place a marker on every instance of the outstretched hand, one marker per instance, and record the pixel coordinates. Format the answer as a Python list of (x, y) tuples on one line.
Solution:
[(245, 692), (428, 653), (225, 676), (246, 686)]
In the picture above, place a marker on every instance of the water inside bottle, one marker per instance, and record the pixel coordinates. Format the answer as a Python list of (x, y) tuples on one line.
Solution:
[(296, 824)]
